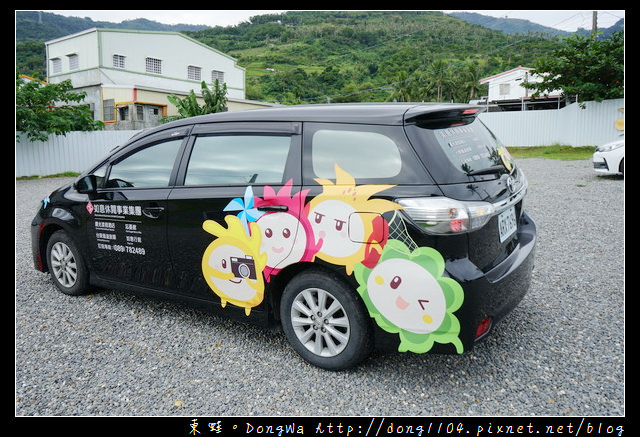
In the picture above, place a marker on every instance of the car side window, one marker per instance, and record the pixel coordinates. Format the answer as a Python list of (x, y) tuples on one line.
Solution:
[(148, 167), (238, 159), (365, 153)]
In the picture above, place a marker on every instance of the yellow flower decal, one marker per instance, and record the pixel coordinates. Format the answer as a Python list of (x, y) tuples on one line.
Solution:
[(232, 264), (347, 221)]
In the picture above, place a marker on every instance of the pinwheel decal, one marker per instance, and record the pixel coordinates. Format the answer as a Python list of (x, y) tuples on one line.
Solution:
[(248, 211)]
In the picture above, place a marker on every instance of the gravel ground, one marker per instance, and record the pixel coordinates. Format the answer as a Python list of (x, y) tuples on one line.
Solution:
[(560, 353)]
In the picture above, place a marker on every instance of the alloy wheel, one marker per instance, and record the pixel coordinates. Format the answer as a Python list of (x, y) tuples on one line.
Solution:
[(63, 264), (320, 322)]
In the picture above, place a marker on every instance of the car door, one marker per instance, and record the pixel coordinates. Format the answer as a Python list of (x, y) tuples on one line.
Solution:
[(238, 192), (127, 220)]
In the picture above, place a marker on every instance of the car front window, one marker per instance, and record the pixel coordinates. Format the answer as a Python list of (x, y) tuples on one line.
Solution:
[(149, 167)]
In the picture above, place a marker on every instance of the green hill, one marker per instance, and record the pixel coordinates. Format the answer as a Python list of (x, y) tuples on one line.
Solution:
[(357, 56), (309, 57)]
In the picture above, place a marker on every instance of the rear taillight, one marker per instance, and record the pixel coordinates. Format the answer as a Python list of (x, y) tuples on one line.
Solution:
[(441, 215), (483, 327)]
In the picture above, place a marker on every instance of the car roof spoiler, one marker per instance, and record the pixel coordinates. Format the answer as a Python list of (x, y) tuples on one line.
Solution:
[(425, 114)]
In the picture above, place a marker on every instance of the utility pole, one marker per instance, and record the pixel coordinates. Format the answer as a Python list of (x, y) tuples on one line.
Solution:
[(594, 22)]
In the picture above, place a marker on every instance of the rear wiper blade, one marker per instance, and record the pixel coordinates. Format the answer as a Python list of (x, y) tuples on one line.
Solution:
[(494, 169)]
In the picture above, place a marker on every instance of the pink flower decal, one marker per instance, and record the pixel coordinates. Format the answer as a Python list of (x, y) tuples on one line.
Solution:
[(287, 236)]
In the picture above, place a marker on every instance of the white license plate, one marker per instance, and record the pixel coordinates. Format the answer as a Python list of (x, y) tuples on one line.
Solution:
[(507, 223)]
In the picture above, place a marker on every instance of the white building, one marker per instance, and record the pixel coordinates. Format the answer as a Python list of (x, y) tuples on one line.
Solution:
[(506, 91), (127, 75)]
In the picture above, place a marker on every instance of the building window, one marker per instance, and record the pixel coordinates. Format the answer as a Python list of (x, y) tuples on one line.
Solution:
[(108, 110), (504, 89), (56, 65), (123, 113), (118, 61), (139, 112), (153, 65), (219, 75), (194, 73), (73, 61)]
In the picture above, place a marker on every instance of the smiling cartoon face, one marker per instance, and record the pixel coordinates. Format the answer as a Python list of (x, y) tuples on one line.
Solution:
[(407, 295), (232, 272), (232, 264), (281, 241), (286, 237)]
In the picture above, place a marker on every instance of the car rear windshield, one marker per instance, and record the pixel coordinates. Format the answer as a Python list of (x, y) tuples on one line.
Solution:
[(454, 150)]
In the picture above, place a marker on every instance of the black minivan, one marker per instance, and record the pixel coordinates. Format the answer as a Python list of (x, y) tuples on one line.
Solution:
[(356, 226)]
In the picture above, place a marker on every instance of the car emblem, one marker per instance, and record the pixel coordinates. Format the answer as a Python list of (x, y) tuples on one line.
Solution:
[(511, 184)]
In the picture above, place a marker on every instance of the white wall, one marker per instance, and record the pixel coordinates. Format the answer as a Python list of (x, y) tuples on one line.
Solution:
[(176, 52), (84, 44), (75, 152), (571, 125)]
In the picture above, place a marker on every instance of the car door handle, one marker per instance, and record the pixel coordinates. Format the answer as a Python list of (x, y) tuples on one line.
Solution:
[(153, 212), (274, 208)]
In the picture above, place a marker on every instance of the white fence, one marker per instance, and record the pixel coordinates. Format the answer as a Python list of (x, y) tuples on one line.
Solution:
[(594, 125), (74, 152)]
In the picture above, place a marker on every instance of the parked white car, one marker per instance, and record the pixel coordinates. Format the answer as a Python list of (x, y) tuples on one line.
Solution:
[(609, 158)]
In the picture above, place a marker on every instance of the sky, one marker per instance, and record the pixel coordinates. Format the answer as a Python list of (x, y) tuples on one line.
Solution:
[(568, 20)]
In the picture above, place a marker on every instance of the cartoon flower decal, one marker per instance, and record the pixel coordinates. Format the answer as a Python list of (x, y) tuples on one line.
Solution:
[(287, 236), (248, 213), (232, 264), (406, 294), (348, 220)]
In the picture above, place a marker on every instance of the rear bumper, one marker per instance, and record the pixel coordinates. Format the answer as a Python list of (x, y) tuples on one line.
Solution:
[(488, 295), (495, 293)]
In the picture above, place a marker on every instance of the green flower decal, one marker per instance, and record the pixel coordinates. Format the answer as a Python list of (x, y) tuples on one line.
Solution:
[(406, 294)]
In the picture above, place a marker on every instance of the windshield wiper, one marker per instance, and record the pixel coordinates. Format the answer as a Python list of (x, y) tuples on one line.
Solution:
[(494, 169)]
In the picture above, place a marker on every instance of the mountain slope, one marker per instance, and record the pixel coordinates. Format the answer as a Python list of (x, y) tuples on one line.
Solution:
[(319, 56)]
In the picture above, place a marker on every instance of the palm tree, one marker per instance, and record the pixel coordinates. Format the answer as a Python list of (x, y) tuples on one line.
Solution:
[(470, 83), (439, 77), (401, 88)]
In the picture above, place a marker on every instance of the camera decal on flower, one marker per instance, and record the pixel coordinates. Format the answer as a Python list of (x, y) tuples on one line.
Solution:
[(243, 267)]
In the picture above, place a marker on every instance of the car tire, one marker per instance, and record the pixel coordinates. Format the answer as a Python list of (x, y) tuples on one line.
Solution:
[(325, 320), (66, 265), (621, 167)]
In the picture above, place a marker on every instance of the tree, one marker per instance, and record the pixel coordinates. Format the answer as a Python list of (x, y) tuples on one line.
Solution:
[(214, 101), (470, 81), (585, 66), (43, 109), (401, 89), (440, 78)]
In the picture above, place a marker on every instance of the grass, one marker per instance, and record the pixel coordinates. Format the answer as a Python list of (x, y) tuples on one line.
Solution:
[(567, 153), (68, 174)]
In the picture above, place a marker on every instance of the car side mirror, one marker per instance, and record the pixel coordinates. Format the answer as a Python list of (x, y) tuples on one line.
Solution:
[(86, 184)]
